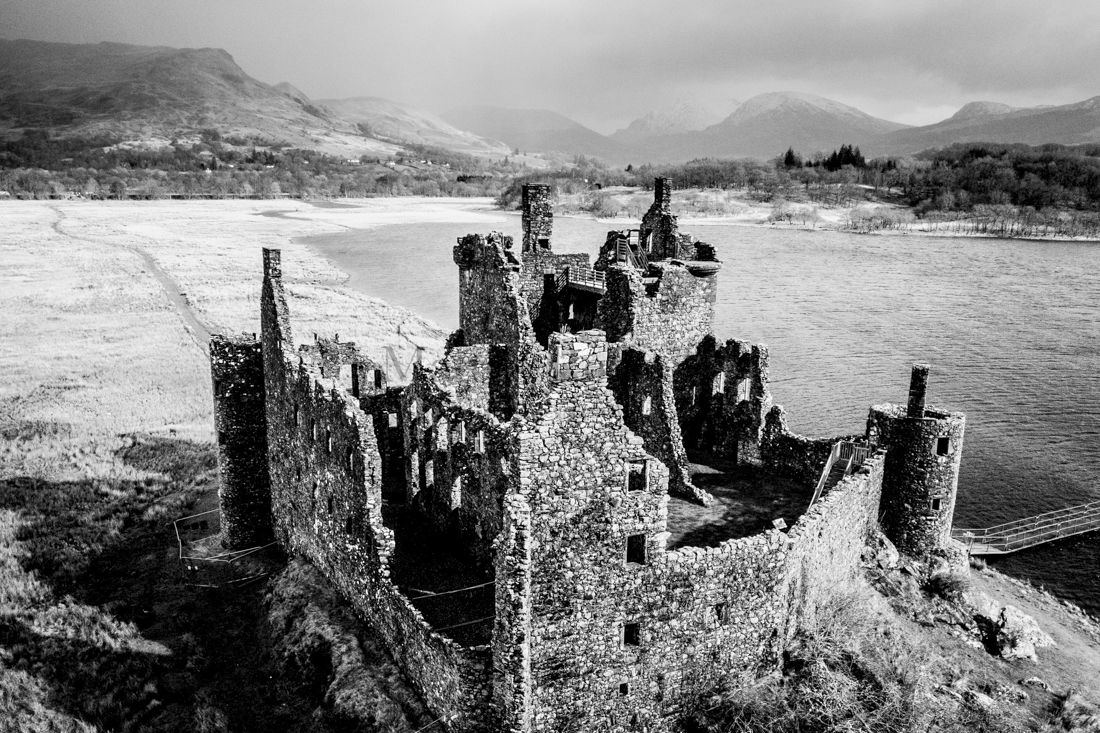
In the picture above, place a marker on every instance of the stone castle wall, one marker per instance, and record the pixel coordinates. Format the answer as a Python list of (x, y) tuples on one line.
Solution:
[(244, 492), (326, 504)]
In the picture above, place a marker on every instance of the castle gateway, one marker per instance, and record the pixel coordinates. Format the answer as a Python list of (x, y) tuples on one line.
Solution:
[(588, 515)]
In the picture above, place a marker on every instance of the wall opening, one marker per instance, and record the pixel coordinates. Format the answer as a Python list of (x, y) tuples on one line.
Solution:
[(330, 505), (297, 419), (719, 383), (943, 446), (378, 379), (479, 442), (722, 612), (351, 459), (328, 441), (460, 432), (636, 476), (624, 688), (632, 634), (744, 390), (221, 437), (312, 429), (647, 405), (635, 549), (391, 417), (936, 504), (456, 493)]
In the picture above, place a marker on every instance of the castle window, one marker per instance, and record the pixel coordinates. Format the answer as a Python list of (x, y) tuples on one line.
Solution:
[(479, 442), (943, 446), (544, 243), (328, 441), (351, 459), (413, 409), (330, 504), (744, 390), (221, 437), (456, 493), (378, 379), (571, 316), (428, 417), (694, 394), (312, 429), (460, 432), (624, 688), (636, 476), (935, 504), (647, 405), (391, 418), (719, 385), (297, 418), (635, 549), (722, 612), (429, 473), (632, 634)]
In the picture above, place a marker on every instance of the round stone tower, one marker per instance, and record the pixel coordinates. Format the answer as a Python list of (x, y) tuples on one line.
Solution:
[(921, 475)]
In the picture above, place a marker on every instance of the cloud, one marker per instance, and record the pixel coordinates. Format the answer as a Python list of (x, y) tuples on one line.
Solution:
[(606, 62)]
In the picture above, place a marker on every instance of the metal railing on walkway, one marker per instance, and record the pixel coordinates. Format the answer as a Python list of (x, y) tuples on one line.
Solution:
[(581, 277), (1020, 534), (844, 458)]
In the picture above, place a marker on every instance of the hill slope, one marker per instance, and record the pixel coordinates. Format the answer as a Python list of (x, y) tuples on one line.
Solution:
[(992, 123), (402, 122), (156, 93), (681, 117), (537, 129)]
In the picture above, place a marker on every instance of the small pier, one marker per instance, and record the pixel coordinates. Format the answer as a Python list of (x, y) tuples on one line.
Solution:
[(1021, 534)]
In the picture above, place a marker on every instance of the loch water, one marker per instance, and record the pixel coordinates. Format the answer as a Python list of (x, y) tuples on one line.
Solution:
[(1009, 327)]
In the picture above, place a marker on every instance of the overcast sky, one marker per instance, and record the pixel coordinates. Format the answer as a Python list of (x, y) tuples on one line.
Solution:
[(604, 62)]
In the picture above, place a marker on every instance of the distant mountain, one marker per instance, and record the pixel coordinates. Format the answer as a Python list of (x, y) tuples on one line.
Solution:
[(681, 117), (293, 92), (537, 130), (157, 93), (401, 122), (989, 122)]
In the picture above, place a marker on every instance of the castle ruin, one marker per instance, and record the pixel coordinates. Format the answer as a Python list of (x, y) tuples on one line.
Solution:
[(538, 527)]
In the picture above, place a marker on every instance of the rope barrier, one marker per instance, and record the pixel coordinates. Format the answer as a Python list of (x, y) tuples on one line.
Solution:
[(429, 594), (465, 623)]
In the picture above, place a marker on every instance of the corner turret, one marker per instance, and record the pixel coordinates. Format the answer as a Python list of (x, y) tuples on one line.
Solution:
[(921, 475)]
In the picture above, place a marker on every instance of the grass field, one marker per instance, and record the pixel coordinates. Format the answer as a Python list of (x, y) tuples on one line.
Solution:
[(106, 423)]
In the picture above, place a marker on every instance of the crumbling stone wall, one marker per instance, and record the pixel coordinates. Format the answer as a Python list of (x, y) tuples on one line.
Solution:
[(325, 471), (669, 312), (787, 454), (643, 384), (493, 311), (244, 494), (660, 231), (721, 399)]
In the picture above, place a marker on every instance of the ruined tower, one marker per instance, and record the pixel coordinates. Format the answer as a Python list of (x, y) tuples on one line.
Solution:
[(921, 475), (237, 368), (538, 216)]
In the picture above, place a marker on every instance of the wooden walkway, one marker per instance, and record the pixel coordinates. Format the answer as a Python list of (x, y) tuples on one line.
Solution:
[(1030, 531)]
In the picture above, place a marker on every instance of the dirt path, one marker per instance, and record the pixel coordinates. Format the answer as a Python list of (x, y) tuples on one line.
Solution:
[(198, 330)]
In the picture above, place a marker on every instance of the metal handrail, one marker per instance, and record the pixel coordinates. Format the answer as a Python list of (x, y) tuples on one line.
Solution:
[(1031, 531), (581, 276), (854, 454)]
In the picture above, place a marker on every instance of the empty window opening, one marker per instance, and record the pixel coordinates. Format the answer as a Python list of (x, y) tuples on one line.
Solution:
[(312, 429), (722, 612), (544, 242), (636, 476), (624, 688), (460, 432), (632, 634), (479, 442), (744, 390), (635, 549), (647, 405), (413, 409), (391, 417), (719, 384), (694, 394), (417, 478), (936, 504), (296, 416), (298, 473), (328, 441), (943, 446), (571, 316), (456, 493), (378, 379), (428, 416), (221, 437), (351, 459), (349, 525), (330, 505), (429, 472)]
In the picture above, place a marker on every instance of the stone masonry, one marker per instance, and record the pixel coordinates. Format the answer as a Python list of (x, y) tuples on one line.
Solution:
[(502, 521)]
